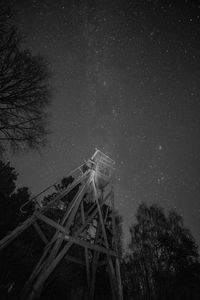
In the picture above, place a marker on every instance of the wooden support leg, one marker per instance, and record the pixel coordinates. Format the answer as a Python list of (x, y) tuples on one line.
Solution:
[(93, 279), (40, 232), (118, 272), (68, 218), (46, 261), (21, 228), (110, 263), (86, 249), (117, 263), (51, 266), (94, 263)]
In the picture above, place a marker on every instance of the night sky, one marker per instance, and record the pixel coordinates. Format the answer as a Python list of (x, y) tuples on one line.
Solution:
[(126, 79)]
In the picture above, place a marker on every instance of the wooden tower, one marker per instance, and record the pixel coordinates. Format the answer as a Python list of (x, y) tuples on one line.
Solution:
[(86, 221)]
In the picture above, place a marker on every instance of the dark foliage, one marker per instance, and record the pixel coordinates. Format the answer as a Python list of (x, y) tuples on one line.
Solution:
[(24, 90), (11, 199), (17, 259), (163, 262)]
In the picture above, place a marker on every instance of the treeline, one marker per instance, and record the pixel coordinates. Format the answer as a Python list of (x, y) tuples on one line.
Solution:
[(162, 261)]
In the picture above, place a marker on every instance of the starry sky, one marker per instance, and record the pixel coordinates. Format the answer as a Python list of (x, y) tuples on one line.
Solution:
[(125, 79)]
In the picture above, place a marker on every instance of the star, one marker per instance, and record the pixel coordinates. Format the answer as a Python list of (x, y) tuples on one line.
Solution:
[(128, 84)]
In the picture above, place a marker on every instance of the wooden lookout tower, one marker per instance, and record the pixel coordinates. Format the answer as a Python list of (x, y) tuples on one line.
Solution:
[(83, 233)]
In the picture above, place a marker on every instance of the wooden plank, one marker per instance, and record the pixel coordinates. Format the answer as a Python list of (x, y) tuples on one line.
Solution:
[(113, 220), (92, 208), (44, 264), (86, 249), (90, 246), (59, 241), (93, 280), (110, 263), (73, 210), (40, 233), (75, 240), (42, 278), (75, 260), (118, 272), (50, 222), (65, 192), (77, 201), (117, 263), (17, 231), (94, 263)]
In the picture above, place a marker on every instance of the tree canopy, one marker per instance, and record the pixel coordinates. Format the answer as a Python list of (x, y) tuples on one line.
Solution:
[(24, 90), (11, 198), (163, 262)]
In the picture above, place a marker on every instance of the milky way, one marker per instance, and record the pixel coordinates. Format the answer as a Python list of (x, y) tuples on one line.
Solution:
[(126, 79)]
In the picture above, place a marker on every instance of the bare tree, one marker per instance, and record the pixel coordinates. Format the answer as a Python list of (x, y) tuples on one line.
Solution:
[(24, 91)]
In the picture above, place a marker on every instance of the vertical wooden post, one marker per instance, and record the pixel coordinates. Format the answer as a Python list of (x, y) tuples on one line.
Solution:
[(110, 263), (94, 263), (117, 263), (86, 249), (40, 232)]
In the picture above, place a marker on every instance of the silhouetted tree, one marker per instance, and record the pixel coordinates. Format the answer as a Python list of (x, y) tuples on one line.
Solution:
[(24, 90), (11, 199), (18, 258), (163, 262), (8, 177)]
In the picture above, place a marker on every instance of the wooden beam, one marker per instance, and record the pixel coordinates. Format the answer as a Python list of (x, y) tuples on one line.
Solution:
[(92, 208), (77, 201), (17, 231), (94, 269), (86, 249), (73, 239), (50, 222), (65, 192), (110, 263), (71, 212), (75, 260), (40, 233), (94, 263), (117, 263), (41, 279), (89, 245)]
